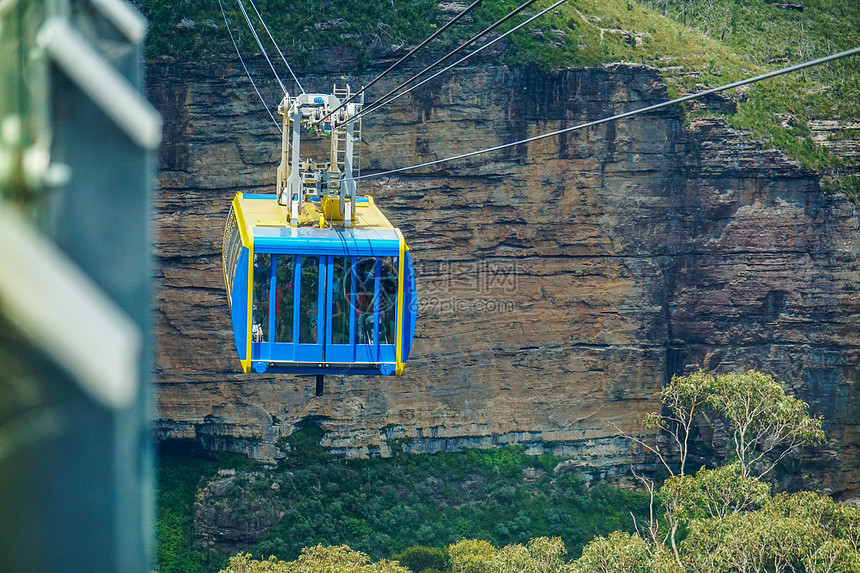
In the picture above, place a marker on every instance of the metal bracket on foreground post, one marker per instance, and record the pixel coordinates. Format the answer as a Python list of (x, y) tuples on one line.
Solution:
[(320, 379)]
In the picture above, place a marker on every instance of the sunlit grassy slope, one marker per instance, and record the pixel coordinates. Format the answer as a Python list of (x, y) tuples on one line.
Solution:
[(696, 44)]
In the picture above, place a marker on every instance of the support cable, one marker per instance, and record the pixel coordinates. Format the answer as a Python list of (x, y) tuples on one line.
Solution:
[(401, 60), (376, 105), (260, 44), (235, 45), (263, 22), (794, 68), (463, 59)]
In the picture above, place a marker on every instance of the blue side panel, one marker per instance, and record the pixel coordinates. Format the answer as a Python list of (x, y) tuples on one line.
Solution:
[(239, 306), (410, 307), (312, 241), (387, 353)]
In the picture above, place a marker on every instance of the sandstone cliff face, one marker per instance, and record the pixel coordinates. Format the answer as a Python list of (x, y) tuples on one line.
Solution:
[(560, 283)]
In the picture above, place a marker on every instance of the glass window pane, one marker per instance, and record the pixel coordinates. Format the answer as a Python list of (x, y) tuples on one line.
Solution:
[(341, 290), (364, 290), (286, 266), (260, 309), (309, 300), (388, 301), (230, 251)]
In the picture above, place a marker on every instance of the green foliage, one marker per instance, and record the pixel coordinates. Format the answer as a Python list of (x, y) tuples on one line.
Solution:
[(726, 518), (177, 481), (319, 559), (420, 558), (471, 556), (766, 36), (618, 552), (188, 30), (304, 445), (384, 506), (713, 493), (789, 532), (802, 532), (764, 423), (848, 185), (731, 530), (540, 555)]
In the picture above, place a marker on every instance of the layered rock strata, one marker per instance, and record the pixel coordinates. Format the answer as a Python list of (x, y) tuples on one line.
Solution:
[(561, 283)]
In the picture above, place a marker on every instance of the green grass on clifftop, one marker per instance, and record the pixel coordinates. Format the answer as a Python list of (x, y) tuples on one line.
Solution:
[(696, 43)]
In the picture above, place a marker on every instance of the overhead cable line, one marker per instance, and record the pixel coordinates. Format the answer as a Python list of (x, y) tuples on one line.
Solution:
[(260, 44), (789, 69), (464, 58), (235, 45), (376, 105), (401, 60), (263, 22)]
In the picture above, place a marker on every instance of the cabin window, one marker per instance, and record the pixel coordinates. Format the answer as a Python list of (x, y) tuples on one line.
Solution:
[(309, 302), (230, 249), (364, 296), (341, 298), (285, 271), (388, 300), (260, 311), (288, 302)]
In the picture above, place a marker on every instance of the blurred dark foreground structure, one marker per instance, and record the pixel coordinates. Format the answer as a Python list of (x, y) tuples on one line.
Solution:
[(76, 163)]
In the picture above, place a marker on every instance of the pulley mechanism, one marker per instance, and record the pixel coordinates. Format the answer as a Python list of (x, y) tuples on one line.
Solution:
[(329, 182)]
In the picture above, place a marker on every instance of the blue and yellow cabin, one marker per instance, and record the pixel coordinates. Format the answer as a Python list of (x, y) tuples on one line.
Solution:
[(318, 299)]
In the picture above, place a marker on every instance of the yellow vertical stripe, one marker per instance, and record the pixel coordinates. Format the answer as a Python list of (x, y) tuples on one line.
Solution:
[(247, 241), (398, 342)]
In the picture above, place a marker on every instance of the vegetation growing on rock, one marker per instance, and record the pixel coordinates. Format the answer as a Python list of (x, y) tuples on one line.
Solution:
[(501, 510), (718, 520), (697, 44), (381, 507)]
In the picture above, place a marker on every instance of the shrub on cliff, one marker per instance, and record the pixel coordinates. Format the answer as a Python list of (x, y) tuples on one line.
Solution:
[(540, 555), (319, 559), (419, 558)]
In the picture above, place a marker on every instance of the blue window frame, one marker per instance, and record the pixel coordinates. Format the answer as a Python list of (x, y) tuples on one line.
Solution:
[(361, 316), (316, 309), (289, 284)]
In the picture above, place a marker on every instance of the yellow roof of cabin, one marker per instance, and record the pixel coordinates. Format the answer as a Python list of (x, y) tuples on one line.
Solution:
[(264, 211)]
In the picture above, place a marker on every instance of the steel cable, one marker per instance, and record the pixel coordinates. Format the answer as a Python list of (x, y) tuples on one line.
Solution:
[(235, 45), (376, 105), (401, 60), (464, 58), (263, 22), (260, 44), (789, 69)]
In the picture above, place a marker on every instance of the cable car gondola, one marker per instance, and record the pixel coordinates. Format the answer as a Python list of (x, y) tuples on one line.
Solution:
[(318, 280)]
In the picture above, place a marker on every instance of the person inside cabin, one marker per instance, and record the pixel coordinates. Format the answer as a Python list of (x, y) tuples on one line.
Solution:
[(340, 318), (260, 309), (284, 299), (309, 291), (365, 292)]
